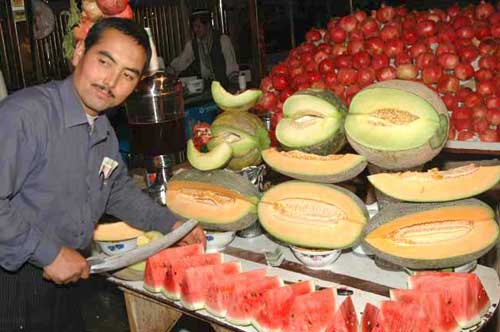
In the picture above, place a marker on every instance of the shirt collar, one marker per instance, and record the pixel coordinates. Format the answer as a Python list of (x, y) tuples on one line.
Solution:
[(74, 114)]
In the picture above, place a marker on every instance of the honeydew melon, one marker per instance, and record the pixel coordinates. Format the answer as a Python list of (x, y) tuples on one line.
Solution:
[(234, 102)]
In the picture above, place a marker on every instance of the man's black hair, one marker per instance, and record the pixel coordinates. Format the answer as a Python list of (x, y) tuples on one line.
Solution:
[(204, 15), (125, 26)]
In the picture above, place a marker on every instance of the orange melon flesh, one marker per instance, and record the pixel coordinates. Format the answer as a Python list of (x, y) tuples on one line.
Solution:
[(297, 163), (437, 186), (436, 234), (116, 231), (207, 202), (311, 215)]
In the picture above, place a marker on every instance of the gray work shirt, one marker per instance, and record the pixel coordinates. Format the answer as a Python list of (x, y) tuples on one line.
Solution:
[(51, 194)]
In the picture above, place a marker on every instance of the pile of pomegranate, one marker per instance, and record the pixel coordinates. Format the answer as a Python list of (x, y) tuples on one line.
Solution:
[(93, 10), (455, 52)]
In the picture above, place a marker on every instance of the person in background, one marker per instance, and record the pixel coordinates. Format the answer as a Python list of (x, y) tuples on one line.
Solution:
[(60, 171), (209, 54)]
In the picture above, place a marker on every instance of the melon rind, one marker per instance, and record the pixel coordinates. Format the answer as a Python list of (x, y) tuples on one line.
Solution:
[(311, 243), (216, 158), (334, 175), (405, 159), (234, 102), (398, 210), (226, 179)]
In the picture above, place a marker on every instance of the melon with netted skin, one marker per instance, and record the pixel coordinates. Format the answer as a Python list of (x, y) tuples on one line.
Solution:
[(397, 124)]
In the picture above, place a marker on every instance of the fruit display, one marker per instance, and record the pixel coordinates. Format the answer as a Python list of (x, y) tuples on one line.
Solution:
[(300, 165), (432, 235), (234, 139), (435, 185), (220, 200), (397, 124), (313, 122), (434, 301), (312, 215), (455, 52), (81, 19)]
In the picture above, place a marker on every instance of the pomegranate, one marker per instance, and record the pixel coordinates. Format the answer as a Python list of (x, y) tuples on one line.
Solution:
[(326, 66), (445, 47), (355, 46), (403, 58), (483, 75), (337, 35), (389, 32), (369, 27), (482, 31), (338, 49), (407, 72), (495, 30), (468, 53), (465, 32), (112, 7), (432, 74), (410, 37), (313, 35), (91, 10), (448, 83), (489, 135), (313, 76), (374, 45), (450, 101), (462, 93), (465, 134), (425, 59), (488, 46), (330, 78), (366, 76), (394, 47), (387, 73), (385, 14), (493, 116), (417, 49), (464, 71), (361, 60), (462, 113), (485, 87), (267, 101), (426, 28), (280, 81), (492, 102), (479, 125), (488, 62), (343, 61), (484, 10), (356, 35), (453, 10), (347, 76), (360, 15), (479, 112), (348, 23), (473, 100), (320, 56), (380, 61), (448, 60)]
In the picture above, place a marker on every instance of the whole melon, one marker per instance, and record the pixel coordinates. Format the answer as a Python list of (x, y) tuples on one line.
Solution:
[(397, 124)]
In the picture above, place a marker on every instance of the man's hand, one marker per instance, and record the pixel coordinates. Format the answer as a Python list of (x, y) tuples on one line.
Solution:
[(69, 266), (195, 236)]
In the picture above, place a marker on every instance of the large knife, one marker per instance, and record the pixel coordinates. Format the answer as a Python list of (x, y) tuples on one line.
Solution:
[(103, 263)]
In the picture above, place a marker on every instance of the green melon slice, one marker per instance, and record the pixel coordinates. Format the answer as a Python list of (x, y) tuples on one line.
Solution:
[(241, 143), (313, 122), (216, 158), (252, 158), (234, 102)]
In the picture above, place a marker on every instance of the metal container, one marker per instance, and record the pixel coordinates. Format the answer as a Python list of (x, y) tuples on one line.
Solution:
[(155, 114)]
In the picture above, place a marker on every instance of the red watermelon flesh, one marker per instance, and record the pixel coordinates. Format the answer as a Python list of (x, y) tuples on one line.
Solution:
[(311, 312), (345, 319), (276, 303), (441, 318), (156, 265), (244, 300), (176, 269), (196, 281), (219, 293), (463, 292), (369, 321), (403, 317)]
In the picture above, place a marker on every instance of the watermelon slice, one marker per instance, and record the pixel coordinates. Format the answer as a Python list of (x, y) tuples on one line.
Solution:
[(244, 301), (276, 303), (156, 265), (441, 318), (219, 292), (345, 319), (402, 317), (311, 312), (369, 321), (463, 292), (175, 272), (196, 281)]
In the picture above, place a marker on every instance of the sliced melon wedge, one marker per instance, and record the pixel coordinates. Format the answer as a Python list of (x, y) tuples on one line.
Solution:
[(437, 186), (216, 158), (234, 102)]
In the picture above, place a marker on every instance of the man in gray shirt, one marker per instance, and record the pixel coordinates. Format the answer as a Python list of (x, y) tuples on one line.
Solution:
[(53, 187)]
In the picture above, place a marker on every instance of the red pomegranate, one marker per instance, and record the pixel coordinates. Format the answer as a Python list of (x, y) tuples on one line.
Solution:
[(112, 7)]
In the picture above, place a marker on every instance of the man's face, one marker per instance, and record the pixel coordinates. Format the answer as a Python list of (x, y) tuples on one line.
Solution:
[(108, 72), (200, 30)]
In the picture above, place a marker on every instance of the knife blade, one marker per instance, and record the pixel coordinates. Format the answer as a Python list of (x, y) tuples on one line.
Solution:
[(103, 263)]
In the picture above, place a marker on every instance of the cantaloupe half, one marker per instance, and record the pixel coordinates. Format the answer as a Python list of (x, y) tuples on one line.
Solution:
[(220, 200), (432, 236), (397, 124), (116, 231), (311, 167), (312, 215), (437, 186)]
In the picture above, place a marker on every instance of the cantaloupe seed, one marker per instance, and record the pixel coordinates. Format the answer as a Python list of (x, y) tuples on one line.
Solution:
[(436, 174), (431, 232), (393, 116), (309, 156), (309, 209), (206, 197)]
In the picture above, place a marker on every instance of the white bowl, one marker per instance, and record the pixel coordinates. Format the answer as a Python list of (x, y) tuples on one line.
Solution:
[(217, 241), (117, 247), (315, 259)]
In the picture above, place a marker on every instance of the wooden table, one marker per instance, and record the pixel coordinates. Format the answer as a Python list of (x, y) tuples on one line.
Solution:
[(356, 273)]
